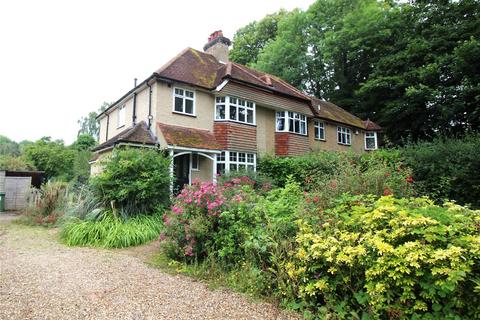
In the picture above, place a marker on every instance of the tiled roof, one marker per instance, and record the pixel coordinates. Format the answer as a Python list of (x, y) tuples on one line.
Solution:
[(330, 111), (370, 125), (188, 137), (139, 134), (202, 69)]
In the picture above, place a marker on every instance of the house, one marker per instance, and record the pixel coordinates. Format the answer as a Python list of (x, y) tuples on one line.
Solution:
[(214, 115)]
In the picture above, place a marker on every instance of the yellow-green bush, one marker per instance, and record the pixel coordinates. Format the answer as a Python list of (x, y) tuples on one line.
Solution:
[(388, 259)]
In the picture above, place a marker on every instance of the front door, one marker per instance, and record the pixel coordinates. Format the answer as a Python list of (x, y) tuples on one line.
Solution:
[(182, 172)]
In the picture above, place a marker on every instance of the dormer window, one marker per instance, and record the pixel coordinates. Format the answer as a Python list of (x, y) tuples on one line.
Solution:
[(184, 101), (234, 109)]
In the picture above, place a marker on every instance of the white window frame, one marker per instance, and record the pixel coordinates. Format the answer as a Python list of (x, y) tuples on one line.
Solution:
[(344, 136), (234, 158), (121, 116), (195, 156), (295, 116), (183, 97), (374, 137), (229, 102), (319, 125)]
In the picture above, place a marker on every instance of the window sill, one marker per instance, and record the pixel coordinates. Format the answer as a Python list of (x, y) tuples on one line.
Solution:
[(298, 134), (344, 144), (323, 140), (239, 122), (121, 126), (184, 114)]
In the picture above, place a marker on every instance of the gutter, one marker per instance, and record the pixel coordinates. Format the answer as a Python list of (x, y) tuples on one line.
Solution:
[(149, 105), (134, 114), (108, 124)]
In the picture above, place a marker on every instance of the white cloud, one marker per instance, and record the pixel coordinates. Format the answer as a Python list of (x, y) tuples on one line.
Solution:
[(61, 59)]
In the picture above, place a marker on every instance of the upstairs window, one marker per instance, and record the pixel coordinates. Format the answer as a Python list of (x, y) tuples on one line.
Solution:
[(319, 130), (234, 109), (371, 140), (121, 116), (195, 161), (344, 136), (184, 101), (287, 121)]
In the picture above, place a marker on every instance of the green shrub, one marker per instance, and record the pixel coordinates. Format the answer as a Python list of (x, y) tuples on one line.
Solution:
[(331, 174), (47, 204), (389, 259), (134, 181), (447, 168), (111, 231)]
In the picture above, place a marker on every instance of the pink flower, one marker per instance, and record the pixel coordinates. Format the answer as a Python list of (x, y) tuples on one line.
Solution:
[(177, 210)]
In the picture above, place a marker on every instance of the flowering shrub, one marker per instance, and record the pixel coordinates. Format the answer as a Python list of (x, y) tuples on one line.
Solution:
[(390, 259)]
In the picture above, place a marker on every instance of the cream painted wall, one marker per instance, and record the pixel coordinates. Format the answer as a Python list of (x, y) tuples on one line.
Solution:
[(205, 170), (204, 108), (265, 130), (331, 143)]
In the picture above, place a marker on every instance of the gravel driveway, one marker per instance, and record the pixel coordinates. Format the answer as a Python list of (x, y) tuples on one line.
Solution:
[(42, 279)]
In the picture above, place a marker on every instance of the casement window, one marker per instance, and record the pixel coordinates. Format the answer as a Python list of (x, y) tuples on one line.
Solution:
[(344, 136), (184, 101), (195, 161), (319, 130), (121, 116), (371, 140), (287, 121), (234, 109), (235, 161)]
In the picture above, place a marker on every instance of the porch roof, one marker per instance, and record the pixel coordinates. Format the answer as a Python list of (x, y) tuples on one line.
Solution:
[(188, 137)]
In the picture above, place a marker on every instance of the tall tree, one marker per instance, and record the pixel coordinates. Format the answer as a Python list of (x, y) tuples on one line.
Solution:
[(250, 40), (89, 124), (8, 146)]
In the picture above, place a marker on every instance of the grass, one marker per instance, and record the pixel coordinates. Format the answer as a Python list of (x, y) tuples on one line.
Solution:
[(112, 232)]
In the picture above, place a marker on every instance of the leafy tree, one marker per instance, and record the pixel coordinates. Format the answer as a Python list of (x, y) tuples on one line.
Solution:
[(13, 163), (89, 124), (84, 142), (8, 146), (53, 157), (249, 41)]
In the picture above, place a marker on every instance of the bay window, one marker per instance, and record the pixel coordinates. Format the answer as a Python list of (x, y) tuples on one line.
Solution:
[(371, 140), (319, 130), (344, 136), (234, 109), (235, 161), (287, 121)]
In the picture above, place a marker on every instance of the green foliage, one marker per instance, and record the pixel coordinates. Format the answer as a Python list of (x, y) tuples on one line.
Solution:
[(447, 168), (411, 66), (89, 124), (134, 181), (390, 258), (8, 147), (84, 142), (13, 163), (249, 41), (53, 157), (111, 231), (330, 174)]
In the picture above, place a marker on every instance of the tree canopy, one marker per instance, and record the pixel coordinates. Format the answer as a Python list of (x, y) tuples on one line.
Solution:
[(412, 67)]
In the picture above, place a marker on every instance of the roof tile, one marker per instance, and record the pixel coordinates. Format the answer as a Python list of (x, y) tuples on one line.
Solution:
[(188, 137)]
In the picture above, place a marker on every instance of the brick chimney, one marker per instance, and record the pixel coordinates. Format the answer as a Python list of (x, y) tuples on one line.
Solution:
[(217, 46)]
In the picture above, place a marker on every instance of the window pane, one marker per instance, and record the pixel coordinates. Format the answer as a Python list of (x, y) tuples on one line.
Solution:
[(220, 112), (241, 114), (249, 157), (370, 142), (250, 116), (220, 168), (233, 156), (233, 167), (179, 92), (280, 124), (297, 126), (233, 113), (302, 127), (250, 168), (233, 100), (291, 126), (178, 104), (317, 132), (241, 167), (189, 94), (189, 106), (241, 157), (322, 134), (339, 138)]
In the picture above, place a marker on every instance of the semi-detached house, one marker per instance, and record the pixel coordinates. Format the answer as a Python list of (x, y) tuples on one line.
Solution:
[(214, 115)]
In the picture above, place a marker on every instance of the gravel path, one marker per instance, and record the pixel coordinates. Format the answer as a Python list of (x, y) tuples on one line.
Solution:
[(42, 279)]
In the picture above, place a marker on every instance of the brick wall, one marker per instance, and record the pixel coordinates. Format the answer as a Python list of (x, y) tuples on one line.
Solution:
[(236, 136), (289, 144)]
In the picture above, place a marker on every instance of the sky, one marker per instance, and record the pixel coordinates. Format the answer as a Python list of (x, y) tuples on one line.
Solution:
[(60, 60)]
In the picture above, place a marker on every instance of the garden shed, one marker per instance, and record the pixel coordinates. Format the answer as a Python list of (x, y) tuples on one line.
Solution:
[(15, 188)]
